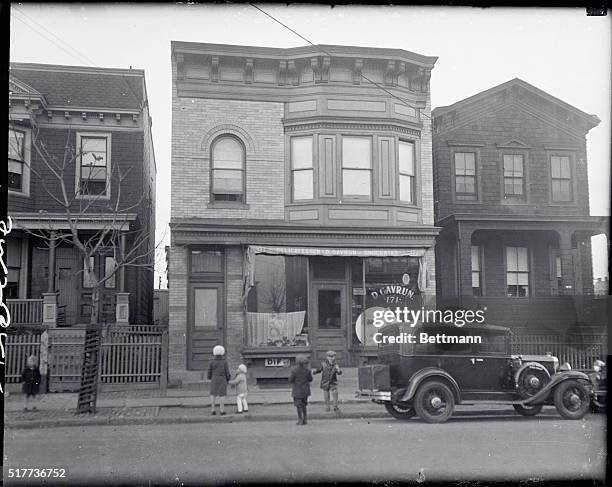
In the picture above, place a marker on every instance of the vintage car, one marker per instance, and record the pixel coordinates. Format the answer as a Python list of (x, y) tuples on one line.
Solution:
[(448, 365)]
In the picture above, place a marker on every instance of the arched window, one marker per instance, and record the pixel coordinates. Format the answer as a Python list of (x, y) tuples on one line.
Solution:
[(227, 170)]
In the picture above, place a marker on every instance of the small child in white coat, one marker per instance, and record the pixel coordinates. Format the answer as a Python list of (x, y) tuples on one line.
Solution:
[(240, 381)]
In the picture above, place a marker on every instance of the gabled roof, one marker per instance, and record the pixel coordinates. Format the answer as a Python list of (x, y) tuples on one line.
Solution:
[(591, 120), (79, 86)]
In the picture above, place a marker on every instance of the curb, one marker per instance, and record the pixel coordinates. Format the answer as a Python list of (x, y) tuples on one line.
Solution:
[(233, 418), (230, 418)]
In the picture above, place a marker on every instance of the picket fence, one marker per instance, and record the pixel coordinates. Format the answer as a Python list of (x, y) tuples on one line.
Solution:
[(132, 356)]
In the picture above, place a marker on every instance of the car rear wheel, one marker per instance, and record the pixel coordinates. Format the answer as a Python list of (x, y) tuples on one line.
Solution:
[(434, 402), (399, 411), (572, 399), (528, 410)]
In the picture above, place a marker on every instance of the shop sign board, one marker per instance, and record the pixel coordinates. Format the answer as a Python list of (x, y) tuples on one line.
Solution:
[(277, 362)]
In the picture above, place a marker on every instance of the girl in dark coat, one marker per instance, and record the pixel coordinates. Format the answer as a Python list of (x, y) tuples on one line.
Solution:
[(300, 380), (218, 375), (30, 377)]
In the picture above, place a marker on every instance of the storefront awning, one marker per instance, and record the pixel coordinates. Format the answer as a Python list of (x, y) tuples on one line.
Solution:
[(336, 252)]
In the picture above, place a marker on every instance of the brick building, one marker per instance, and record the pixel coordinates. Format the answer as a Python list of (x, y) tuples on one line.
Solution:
[(299, 189), (93, 127), (512, 198)]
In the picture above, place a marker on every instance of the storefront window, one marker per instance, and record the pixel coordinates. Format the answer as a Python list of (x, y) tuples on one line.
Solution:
[(277, 302), (383, 282)]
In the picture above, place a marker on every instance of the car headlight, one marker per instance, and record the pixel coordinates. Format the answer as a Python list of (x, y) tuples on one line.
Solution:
[(597, 366), (566, 366)]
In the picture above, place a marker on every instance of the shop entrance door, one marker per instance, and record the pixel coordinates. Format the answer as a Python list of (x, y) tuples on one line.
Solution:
[(205, 328), (330, 323)]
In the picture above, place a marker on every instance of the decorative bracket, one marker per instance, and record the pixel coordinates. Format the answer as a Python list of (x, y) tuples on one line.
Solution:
[(49, 114), (282, 72), (118, 117), (84, 115), (214, 69), (390, 73), (316, 70), (180, 66), (67, 115), (325, 69), (293, 76), (248, 71), (101, 117), (357, 71)]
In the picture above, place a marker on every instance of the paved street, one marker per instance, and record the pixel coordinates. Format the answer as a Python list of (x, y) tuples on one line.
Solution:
[(473, 447)]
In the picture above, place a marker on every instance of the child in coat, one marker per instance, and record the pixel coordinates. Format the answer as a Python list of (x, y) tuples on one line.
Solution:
[(218, 374), (329, 371), (300, 380), (30, 377), (240, 381)]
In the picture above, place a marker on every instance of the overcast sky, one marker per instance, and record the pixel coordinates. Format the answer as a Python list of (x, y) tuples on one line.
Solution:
[(561, 51)]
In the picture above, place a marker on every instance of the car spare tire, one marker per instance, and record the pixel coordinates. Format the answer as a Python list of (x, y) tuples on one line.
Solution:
[(434, 402), (400, 411), (572, 399)]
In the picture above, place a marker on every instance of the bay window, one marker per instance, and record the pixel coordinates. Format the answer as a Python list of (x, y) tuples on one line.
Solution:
[(406, 172), (302, 169), (356, 167)]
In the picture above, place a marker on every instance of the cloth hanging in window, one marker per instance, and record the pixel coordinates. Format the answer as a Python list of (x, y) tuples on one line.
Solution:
[(270, 327)]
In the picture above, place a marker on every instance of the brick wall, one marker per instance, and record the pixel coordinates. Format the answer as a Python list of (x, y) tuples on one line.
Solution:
[(195, 124), (177, 277)]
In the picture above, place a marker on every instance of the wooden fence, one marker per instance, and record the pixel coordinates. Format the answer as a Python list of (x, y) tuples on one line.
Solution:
[(579, 350), (130, 357), (18, 348)]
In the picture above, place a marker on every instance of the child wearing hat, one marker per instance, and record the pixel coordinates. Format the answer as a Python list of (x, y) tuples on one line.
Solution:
[(329, 371), (218, 375), (240, 381), (300, 380)]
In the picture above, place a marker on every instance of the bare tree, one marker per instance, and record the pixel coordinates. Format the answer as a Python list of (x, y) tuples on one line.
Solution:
[(54, 174)]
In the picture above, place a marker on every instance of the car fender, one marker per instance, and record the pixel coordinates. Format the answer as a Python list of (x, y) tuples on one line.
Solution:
[(530, 365), (559, 377), (427, 373)]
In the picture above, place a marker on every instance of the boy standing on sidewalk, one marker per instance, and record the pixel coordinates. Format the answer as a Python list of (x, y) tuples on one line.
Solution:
[(300, 380), (329, 371)]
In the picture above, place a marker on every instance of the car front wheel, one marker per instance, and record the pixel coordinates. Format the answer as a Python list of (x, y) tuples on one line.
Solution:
[(399, 411), (434, 402), (527, 410), (572, 399)]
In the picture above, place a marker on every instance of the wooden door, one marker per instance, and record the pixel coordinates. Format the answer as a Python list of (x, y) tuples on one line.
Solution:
[(68, 282), (330, 322), (205, 328)]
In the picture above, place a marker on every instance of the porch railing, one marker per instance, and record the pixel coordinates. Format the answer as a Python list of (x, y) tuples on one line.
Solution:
[(25, 311)]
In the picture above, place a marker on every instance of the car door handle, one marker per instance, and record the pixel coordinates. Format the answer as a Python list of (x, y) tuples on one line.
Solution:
[(474, 360)]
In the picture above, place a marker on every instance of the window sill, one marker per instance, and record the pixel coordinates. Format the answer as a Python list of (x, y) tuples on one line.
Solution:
[(18, 193), (228, 205)]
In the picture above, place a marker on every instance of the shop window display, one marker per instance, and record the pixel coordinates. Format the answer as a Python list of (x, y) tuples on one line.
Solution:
[(277, 302)]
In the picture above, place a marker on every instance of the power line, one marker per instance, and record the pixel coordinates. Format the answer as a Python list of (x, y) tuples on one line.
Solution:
[(404, 102)]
